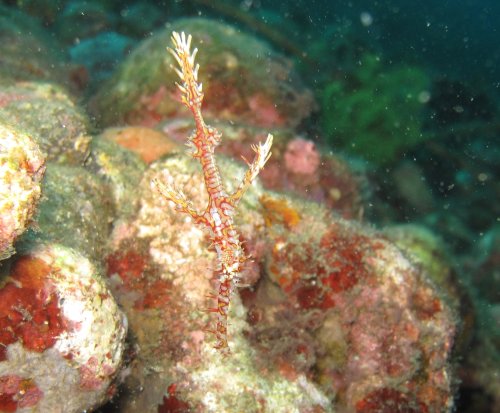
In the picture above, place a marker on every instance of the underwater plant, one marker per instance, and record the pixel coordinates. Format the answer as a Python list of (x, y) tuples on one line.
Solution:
[(374, 112), (218, 215)]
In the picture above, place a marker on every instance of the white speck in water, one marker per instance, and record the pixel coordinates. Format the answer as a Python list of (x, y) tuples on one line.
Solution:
[(424, 96), (366, 19)]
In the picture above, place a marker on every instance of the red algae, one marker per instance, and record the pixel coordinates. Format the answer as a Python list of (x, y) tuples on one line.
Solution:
[(60, 331), (156, 295), (138, 277), (313, 296), (128, 264), (29, 308), (302, 157), (321, 270), (265, 111), (89, 375), (345, 256), (16, 392), (426, 305), (172, 404), (387, 400)]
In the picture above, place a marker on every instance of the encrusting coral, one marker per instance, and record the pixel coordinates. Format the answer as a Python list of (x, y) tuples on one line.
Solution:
[(218, 215)]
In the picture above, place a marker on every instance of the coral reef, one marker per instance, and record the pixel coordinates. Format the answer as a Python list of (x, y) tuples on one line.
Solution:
[(148, 143), (429, 251), (330, 315), (328, 297), (120, 169), (62, 335)]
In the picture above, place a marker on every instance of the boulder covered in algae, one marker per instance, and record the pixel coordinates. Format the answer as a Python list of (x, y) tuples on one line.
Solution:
[(62, 336), (243, 80), (76, 211), (22, 166), (158, 270), (333, 317), (356, 310), (61, 333), (119, 169), (52, 117)]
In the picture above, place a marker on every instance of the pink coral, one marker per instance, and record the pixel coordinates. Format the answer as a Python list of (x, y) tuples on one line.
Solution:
[(302, 157)]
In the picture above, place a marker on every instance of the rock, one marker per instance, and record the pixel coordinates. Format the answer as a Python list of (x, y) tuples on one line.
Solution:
[(337, 319), (243, 81), (148, 143), (100, 54), (50, 115), (352, 307), (28, 51), (158, 271), (142, 19), (119, 168), (62, 334), (82, 19), (21, 170), (76, 211)]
